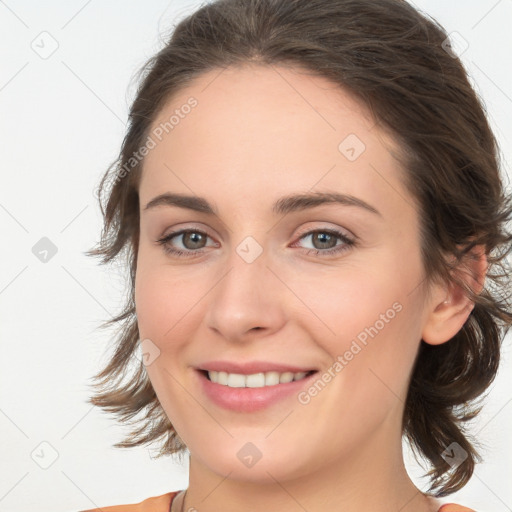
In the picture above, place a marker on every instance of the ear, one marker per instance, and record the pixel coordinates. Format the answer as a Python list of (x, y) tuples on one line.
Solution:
[(449, 306)]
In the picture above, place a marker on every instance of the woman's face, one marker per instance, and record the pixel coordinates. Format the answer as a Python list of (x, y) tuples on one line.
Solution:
[(265, 278)]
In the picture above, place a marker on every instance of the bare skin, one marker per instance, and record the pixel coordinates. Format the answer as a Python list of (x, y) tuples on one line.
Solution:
[(258, 134)]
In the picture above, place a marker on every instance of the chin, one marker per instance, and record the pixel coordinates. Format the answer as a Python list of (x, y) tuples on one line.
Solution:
[(254, 462)]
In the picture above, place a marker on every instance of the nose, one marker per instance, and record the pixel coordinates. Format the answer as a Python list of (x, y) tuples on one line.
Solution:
[(247, 300)]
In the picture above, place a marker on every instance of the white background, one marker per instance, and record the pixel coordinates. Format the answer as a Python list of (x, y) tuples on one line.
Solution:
[(62, 120)]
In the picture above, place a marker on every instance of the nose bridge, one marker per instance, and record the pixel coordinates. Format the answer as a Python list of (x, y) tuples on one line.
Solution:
[(247, 295)]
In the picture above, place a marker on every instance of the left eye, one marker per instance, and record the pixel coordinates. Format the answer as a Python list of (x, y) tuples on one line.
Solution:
[(325, 242)]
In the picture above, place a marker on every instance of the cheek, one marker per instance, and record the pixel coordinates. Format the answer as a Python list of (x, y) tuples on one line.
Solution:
[(369, 321), (166, 316), (346, 302), (153, 302), (165, 297)]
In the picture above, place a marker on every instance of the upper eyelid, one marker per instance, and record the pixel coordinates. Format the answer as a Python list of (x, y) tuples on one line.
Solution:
[(342, 231)]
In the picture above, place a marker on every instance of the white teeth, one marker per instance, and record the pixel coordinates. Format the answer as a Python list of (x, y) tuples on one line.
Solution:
[(271, 378), (236, 381), (255, 380), (286, 377)]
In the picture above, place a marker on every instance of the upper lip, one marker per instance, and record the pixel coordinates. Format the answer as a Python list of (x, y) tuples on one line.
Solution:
[(251, 367)]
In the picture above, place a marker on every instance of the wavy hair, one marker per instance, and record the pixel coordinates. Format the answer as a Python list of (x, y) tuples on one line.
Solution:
[(398, 62)]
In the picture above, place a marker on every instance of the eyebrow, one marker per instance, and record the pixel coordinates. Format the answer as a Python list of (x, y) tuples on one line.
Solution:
[(284, 205)]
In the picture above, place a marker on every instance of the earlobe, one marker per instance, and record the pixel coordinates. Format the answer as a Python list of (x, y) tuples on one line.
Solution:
[(450, 306)]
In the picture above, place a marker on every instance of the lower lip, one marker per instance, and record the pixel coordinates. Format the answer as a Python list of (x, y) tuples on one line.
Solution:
[(250, 399)]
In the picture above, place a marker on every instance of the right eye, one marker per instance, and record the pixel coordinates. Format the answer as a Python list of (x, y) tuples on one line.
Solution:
[(189, 237)]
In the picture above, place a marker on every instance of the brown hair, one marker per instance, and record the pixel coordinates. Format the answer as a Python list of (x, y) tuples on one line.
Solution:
[(398, 63)]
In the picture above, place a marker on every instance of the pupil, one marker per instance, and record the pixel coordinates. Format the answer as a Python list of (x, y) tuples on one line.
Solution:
[(194, 238), (324, 238)]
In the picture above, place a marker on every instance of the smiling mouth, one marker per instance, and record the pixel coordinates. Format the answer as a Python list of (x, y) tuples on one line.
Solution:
[(255, 380)]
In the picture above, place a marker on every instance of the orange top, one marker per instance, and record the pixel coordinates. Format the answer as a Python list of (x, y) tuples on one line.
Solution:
[(156, 504), (163, 504)]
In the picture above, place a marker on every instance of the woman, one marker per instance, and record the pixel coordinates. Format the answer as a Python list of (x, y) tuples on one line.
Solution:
[(310, 201)]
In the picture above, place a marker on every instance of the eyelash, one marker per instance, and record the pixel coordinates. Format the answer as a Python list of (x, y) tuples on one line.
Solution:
[(347, 243)]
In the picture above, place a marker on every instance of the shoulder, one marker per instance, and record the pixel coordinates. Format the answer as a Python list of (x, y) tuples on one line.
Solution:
[(452, 507), (160, 503)]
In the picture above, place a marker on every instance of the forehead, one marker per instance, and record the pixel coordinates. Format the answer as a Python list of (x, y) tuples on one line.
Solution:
[(255, 126)]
